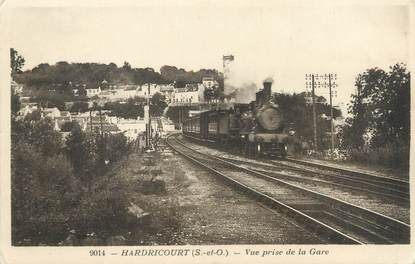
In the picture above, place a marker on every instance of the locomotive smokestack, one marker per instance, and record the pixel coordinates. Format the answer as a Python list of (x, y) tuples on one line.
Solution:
[(267, 90)]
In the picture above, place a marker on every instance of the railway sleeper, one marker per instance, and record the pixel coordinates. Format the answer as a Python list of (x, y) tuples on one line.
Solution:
[(354, 229), (371, 225)]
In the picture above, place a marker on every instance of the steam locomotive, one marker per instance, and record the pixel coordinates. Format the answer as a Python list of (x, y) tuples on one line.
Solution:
[(258, 128)]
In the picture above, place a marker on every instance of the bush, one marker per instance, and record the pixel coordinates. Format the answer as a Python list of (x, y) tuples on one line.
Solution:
[(53, 193), (393, 156), (102, 209), (42, 192)]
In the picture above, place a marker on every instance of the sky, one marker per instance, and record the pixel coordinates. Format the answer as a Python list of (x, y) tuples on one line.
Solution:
[(279, 39)]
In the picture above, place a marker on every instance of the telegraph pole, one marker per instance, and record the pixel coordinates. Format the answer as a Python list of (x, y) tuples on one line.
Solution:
[(314, 112), (90, 119), (322, 83), (331, 116), (148, 119)]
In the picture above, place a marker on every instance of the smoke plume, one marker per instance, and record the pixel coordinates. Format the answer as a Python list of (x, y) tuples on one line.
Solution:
[(239, 83)]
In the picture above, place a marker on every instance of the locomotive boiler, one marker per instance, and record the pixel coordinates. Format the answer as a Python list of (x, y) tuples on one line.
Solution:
[(257, 128)]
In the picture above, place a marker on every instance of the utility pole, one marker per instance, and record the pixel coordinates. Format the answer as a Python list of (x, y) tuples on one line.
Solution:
[(90, 119), (331, 116), (100, 123), (320, 81), (147, 118), (314, 113)]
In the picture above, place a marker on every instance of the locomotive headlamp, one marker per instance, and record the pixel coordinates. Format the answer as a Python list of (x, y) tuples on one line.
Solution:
[(285, 147)]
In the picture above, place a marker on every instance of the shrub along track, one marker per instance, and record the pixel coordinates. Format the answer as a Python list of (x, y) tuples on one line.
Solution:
[(337, 221)]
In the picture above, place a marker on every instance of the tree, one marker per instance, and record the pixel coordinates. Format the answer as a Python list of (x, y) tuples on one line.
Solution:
[(126, 66), (80, 152), (380, 109), (41, 194), (117, 147), (158, 104), (39, 133), (15, 103), (298, 114), (16, 61), (79, 107)]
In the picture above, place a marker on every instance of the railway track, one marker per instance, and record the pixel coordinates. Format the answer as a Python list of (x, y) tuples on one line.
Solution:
[(399, 186), (397, 191), (334, 220), (393, 188)]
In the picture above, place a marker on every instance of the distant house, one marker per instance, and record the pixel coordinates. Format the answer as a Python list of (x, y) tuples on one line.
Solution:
[(59, 121), (191, 93), (27, 108), (167, 90), (91, 92), (131, 127), (51, 112), (65, 114), (130, 91), (82, 121), (16, 88), (209, 82), (96, 122), (145, 92)]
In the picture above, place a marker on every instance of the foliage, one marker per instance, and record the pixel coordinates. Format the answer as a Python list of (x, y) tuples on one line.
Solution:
[(16, 61), (54, 191), (131, 109), (88, 153), (38, 132), (64, 77), (79, 107), (380, 110), (117, 147), (51, 99), (104, 212), (42, 186), (299, 116), (15, 103), (81, 152), (390, 155), (157, 104), (181, 76), (69, 126)]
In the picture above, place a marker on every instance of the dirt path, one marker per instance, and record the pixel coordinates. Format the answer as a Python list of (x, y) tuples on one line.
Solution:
[(196, 208)]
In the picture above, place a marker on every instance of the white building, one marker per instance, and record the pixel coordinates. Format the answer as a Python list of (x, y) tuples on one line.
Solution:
[(192, 93), (27, 108), (131, 127), (144, 91), (16, 88), (91, 92), (51, 112)]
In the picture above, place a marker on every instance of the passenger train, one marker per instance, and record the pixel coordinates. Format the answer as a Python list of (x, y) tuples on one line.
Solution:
[(257, 128)]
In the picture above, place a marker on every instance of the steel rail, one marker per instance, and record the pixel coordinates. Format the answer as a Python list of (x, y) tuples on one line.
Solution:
[(397, 230), (317, 227)]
